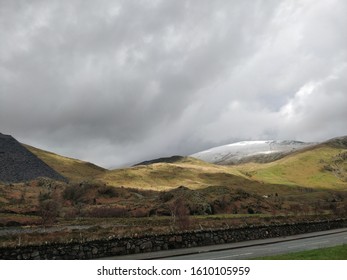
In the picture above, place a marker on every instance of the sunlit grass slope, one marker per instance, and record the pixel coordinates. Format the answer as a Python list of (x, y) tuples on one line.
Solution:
[(189, 172), (320, 167), (72, 169), (323, 166)]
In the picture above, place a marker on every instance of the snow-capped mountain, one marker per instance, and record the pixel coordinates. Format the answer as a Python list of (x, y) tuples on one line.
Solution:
[(247, 151)]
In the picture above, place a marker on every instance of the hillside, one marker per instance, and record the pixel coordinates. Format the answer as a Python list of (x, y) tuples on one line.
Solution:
[(315, 166), (321, 166), (72, 169), (190, 172)]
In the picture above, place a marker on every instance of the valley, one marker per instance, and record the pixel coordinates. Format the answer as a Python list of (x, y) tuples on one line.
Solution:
[(172, 195)]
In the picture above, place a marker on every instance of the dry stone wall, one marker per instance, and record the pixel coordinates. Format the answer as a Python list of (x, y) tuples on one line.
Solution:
[(123, 246)]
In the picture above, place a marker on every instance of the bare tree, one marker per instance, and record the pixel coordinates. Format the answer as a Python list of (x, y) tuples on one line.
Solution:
[(180, 213), (49, 211)]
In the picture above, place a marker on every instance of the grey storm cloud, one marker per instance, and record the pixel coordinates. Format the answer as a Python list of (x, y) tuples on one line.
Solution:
[(117, 82)]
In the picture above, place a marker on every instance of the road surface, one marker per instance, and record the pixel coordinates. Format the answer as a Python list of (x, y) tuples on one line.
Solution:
[(270, 249)]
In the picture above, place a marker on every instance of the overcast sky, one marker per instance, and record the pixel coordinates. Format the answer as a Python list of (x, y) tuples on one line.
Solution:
[(118, 82)]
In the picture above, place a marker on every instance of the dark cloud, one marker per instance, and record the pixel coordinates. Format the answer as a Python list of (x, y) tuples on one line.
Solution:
[(115, 82)]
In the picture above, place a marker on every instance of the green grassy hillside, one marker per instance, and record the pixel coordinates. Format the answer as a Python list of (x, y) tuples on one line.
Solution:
[(72, 169), (188, 171), (322, 166)]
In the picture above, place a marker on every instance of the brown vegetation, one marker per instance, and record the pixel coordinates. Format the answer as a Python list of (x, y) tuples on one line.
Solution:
[(122, 211)]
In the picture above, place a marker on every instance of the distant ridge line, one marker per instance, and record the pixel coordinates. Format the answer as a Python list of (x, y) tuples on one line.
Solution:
[(171, 159)]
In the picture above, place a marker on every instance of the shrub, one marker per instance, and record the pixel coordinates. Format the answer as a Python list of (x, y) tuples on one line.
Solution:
[(241, 194), (76, 193), (140, 213), (201, 209), (71, 213), (250, 210), (180, 213), (165, 196), (49, 211), (108, 212), (108, 191), (44, 196)]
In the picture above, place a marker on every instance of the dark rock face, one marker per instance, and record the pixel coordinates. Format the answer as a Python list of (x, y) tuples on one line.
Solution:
[(17, 164), (172, 159)]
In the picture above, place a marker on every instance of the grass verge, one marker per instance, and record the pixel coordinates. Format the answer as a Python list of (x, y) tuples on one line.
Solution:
[(331, 253)]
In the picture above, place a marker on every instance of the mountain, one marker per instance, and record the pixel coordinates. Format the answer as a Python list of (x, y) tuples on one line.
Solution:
[(250, 151), (337, 142), (18, 164), (320, 166), (309, 165), (73, 169)]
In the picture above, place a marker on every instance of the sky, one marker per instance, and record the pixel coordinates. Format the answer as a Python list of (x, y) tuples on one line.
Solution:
[(119, 82)]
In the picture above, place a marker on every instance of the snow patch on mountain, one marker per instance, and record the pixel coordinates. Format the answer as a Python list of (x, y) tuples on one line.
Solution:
[(245, 151)]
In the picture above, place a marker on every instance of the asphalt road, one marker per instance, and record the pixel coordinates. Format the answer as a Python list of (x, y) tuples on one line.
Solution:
[(270, 249), (250, 249)]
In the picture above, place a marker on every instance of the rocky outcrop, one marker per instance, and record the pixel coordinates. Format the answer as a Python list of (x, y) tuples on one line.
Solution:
[(17, 164), (338, 142)]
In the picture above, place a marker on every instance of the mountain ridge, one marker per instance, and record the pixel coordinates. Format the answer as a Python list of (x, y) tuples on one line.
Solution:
[(320, 165), (251, 151), (171, 159)]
